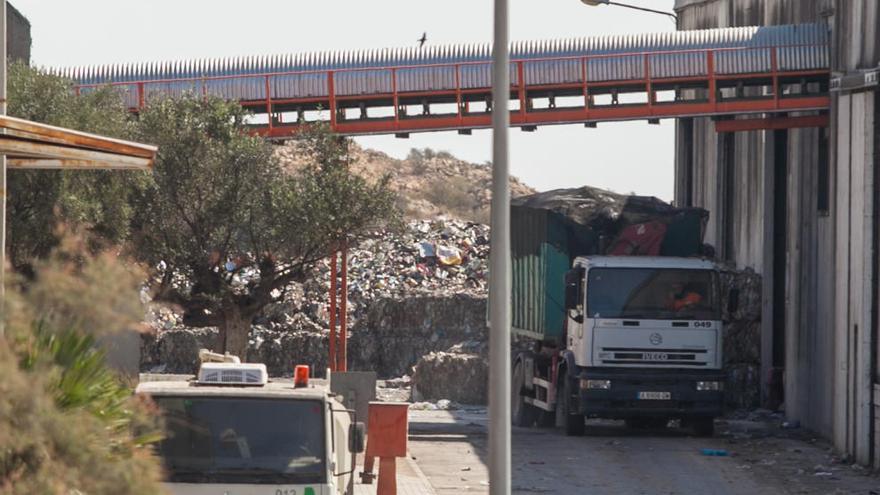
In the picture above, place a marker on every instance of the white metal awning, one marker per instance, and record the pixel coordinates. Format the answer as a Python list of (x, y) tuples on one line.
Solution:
[(29, 144)]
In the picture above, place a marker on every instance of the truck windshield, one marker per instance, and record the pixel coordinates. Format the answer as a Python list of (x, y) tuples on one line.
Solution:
[(243, 440), (653, 293)]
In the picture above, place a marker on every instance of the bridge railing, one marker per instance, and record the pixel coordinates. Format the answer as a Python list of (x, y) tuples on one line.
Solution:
[(333, 89)]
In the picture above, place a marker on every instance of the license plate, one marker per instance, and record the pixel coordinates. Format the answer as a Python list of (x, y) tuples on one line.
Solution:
[(655, 395)]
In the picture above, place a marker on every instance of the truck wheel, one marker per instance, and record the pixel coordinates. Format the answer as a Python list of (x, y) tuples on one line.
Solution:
[(703, 427), (573, 422), (523, 414)]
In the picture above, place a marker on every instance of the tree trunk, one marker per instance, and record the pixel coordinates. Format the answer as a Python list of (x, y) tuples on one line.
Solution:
[(234, 332)]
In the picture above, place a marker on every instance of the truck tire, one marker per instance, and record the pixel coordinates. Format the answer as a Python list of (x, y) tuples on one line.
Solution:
[(573, 422), (522, 414), (703, 427)]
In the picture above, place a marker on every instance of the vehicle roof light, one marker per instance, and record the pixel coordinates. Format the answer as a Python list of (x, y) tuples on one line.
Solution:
[(301, 376), (253, 374)]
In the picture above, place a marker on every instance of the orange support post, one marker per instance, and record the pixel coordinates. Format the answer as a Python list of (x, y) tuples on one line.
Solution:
[(774, 70), (458, 93), (395, 98), (268, 90), (521, 87), (649, 86), (387, 476), (710, 74), (342, 362), (331, 362), (331, 94)]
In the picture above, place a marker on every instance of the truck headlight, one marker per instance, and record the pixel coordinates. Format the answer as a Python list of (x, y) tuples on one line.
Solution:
[(595, 384), (710, 386)]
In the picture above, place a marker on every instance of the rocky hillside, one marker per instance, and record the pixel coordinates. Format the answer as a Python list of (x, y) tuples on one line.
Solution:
[(431, 184)]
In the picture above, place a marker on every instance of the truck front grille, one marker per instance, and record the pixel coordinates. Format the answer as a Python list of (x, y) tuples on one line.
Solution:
[(660, 357)]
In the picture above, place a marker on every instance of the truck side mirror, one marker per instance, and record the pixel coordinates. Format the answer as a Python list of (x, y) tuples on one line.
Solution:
[(356, 437), (573, 279), (733, 301)]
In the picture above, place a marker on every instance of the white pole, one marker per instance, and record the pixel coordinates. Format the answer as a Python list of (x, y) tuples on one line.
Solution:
[(2, 167), (499, 269)]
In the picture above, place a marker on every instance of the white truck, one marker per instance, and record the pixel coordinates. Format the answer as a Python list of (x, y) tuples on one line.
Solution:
[(233, 431), (637, 338)]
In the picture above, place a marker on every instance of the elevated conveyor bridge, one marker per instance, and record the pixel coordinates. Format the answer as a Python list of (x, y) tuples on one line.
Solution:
[(778, 76)]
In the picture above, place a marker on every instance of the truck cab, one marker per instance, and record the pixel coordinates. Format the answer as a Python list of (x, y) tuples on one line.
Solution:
[(233, 431), (645, 337)]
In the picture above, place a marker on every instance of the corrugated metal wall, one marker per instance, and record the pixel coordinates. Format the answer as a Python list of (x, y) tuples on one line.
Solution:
[(828, 255), (607, 67), (856, 47)]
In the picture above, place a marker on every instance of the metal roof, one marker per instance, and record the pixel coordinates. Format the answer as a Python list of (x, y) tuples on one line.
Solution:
[(178, 385), (33, 145), (738, 37)]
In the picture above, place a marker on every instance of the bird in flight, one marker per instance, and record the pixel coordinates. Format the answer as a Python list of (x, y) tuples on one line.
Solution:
[(423, 39)]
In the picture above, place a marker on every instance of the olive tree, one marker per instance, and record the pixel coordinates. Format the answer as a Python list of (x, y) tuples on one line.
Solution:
[(222, 215), (94, 201)]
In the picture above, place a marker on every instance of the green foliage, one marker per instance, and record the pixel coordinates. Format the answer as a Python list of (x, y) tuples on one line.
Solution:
[(210, 182), (35, 95), (40, 200), (51, 449), (69, 424), (331, 203), (218, 196)]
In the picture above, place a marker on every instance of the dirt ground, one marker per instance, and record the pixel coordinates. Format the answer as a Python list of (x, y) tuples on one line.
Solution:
[(758, 457)]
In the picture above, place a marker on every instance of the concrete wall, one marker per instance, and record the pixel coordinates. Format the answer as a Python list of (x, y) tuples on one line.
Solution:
[(818, 264)]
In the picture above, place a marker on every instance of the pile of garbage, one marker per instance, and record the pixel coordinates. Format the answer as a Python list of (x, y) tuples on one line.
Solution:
[(597, 221), (412, 291), (425, 258)]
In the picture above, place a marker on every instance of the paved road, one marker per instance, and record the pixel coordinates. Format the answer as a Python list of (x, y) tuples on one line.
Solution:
[(450, 448), (410, 480)]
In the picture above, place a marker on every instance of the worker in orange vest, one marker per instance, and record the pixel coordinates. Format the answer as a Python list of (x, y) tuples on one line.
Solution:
[(682, 297)]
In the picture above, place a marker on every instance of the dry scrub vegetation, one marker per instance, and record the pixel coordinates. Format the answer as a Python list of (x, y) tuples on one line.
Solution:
[(69, 424), (429, 183)]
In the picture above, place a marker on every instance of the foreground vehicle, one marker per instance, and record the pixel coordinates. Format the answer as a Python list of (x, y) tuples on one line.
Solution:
[(232, 431)]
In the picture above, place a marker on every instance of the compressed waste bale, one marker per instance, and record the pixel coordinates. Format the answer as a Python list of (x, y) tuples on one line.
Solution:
[(460, 377)]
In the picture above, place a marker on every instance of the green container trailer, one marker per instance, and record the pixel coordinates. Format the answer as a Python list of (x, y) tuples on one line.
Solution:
[(544, 244)]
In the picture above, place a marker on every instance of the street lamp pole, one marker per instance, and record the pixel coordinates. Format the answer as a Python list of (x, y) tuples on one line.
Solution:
[(499, 268), (595, 3)]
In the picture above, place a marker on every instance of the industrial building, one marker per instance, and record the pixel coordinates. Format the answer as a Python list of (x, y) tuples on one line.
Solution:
[(800, 207)]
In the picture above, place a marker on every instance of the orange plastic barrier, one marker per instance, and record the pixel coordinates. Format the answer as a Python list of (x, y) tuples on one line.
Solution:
[(388, 429)]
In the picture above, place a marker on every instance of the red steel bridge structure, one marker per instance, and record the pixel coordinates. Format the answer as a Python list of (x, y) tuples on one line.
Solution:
[(745, 78)]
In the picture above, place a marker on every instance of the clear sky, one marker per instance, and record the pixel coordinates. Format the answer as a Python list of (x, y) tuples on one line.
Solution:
[(626, 157)]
